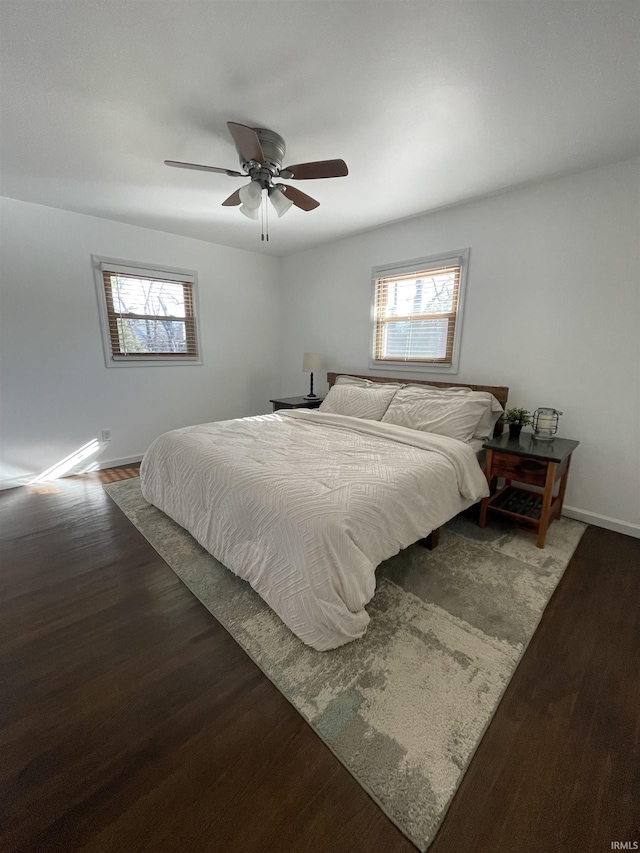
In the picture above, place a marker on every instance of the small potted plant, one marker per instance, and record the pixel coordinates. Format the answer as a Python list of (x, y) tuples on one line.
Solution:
[(516, 419)]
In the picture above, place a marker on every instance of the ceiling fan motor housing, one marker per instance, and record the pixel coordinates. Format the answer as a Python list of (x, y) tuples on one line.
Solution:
[(273, 148)]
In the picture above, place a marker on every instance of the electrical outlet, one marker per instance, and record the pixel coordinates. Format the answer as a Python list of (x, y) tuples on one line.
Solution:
[(106, 435)]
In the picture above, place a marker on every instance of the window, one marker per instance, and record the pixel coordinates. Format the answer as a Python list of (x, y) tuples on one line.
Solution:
[(417, 313), (148, 314)]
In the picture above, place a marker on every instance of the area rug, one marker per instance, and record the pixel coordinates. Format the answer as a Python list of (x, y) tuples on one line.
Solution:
[(405, 707)]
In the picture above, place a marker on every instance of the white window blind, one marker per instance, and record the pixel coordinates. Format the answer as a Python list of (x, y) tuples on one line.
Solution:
[(416, 314)]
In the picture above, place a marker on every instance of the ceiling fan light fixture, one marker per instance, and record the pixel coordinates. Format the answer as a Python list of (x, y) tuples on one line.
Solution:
[(251, 196), (251, 212), (279, 201)]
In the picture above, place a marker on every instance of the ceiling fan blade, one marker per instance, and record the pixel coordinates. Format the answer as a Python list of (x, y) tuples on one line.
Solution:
[(233, 199), (247, 142), (198, 168), (317, 169), (300, 199)]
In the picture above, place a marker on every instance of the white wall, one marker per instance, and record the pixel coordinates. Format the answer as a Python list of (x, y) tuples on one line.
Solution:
[(57, 393), (552, 310)]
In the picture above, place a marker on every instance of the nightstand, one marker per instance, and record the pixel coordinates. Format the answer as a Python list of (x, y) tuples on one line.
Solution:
[(296, 403), (532, 462)]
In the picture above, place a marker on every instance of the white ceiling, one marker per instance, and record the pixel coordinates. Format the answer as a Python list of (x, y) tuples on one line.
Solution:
[(429, 103)]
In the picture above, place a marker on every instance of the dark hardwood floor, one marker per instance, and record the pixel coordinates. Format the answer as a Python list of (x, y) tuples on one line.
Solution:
[(131, 721)]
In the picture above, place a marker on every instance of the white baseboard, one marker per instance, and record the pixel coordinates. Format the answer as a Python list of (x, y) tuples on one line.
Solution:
[(615, 524), (14, 482), (126, 460), (25, 479)]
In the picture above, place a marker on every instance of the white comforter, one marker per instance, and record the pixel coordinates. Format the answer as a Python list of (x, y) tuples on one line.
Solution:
[(304, 505)]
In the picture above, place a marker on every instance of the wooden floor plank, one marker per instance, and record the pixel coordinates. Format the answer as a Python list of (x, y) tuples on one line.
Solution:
[(131, 720)]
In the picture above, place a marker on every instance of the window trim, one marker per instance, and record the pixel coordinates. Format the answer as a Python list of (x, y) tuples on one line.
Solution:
[(103, 264), (459, 257)]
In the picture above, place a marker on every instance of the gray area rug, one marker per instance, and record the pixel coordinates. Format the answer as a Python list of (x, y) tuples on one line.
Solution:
[(405, 707)]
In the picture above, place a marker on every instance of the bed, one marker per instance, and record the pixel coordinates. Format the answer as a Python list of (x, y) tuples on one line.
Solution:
[(304, 504)]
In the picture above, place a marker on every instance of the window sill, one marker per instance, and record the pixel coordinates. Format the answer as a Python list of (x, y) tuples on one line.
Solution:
[(413, 367), (124, 361)]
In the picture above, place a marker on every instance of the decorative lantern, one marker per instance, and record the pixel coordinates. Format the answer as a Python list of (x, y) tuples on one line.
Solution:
[(545, 423)]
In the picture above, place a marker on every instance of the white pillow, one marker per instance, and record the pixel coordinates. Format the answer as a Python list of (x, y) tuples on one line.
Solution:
[(453, 414), (357, 402), (352, 380), (487, 422), (490, 418), (343, 379)]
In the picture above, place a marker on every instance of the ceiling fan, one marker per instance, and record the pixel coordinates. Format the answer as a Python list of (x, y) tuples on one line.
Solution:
[(261, 153)]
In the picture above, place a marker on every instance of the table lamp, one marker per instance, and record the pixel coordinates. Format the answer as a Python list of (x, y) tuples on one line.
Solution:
[(311, 362)]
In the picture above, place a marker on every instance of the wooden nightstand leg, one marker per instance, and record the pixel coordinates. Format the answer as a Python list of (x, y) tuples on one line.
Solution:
[(482, 520), (546, 504), (563, 487)]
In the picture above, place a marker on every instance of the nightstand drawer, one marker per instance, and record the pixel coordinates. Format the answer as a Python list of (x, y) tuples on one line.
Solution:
[(512, 467)]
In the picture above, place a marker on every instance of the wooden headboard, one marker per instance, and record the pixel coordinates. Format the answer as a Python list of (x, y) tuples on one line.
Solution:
[(500, 392)]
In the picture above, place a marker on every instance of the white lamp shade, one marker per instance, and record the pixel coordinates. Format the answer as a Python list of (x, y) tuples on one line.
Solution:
[(311, 362), (251, 212), (251, 195), (279, 201)]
